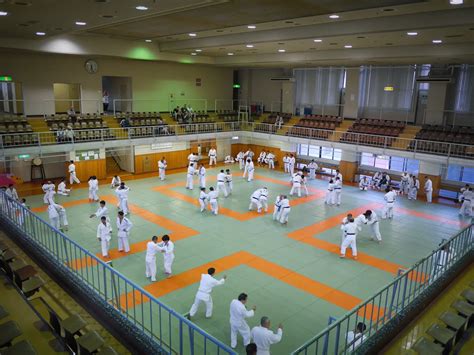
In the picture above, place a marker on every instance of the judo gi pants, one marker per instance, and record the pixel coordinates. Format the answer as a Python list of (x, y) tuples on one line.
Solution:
[(197, 303), (123, 244), (349, 241), (150, 270), (73, 179), (243, 329)]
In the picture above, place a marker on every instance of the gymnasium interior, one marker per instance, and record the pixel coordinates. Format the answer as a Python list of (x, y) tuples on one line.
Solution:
[(113, 87)]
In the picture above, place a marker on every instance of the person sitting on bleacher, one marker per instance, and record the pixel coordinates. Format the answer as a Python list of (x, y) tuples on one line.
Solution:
[(279, 121), (176, 112), (71, 113), (159, 121), (124, 123), (69, 134), (60, 135)]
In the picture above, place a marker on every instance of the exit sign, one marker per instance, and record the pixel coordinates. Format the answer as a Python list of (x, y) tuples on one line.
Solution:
[(236, 86), (5, 78), (24, 156)]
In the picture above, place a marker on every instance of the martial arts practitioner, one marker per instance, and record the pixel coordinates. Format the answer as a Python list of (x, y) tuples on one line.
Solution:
[(190, 176), (240, 158), (261, 157), (162, 165), (238, 325), (22, 212), (202, 176), (330, 193), (102, 211), (93, 188), (255, 201), (213, 196), (116, 181), (48, 189), (428, 189), (338, 175), (414, 187), (271, 160), (221, 183), (461, 192), (404, 182), (285, 209), (228, 182), (249, 154), (291, 164), (312, 166), (355, 337), (203, 199), (72, 173), (363, 184), (337, 190), (191, 159), (62, 190), (376, 179), (466, 207), (360, 220), (250, 170), (53, 214), (12, 193), (384, 181), (104, 235), (296, 183), (264, 337), (229, 160), (123, 232), (152, 248), (345, 220), (167, 249), (277, 208), (264, 199), (389, 198), (373, 222), (122, 194), (212, 156), (208, 282), (349, 230), (286, 160)]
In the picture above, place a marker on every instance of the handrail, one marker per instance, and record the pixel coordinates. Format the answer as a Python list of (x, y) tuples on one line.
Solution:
[(333, 136), (108, 283), (391, 300)]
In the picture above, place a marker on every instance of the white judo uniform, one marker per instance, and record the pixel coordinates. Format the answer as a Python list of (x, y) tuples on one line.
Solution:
[(404, 182), (49, 192), (122, 195), (271, 160), (389, 198), (285, 163), (277, 208), (373, 222), (250, 170), (93, 189), (202, 176), (349, 231), (62, 190), (241, 160), (115, 182), (190, 177), (330, 195), (152, 249), (72, 174), (123, 232), (104, 235), (238, 324), (337, 192), (264, 199), (203, 200), (312, 170), (162, 165), (285, 210), (466, 207), (212, 156), (213, 196), (102, 212), (264, 338), (203, 294), (221, 184), (363, 184), (167, 249), (429, 190), (229, 185), (296, 184), (414, 186), (291, 165)]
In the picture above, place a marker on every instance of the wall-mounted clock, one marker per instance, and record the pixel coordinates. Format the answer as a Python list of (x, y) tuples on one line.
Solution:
[(91, 66)]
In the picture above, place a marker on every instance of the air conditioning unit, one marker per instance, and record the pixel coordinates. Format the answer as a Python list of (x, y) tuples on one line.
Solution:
[(292, 80), (437, 74)]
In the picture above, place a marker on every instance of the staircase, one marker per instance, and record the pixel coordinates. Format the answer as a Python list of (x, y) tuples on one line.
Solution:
[(408, 134), (111, 121), (343, 127), (38, 124), (112, 167)]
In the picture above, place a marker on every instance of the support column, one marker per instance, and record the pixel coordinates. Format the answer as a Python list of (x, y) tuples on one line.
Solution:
[(351, 97), (433, 171), (435, 105), (288, 97), (348, 166)]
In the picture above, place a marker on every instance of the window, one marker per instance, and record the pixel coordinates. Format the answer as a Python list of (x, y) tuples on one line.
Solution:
[(367, 159), (396, 163), (468, 175), (390, 162), (302, 149), (382, 162), (337, 154), (326, 153), (412, 166), (454, 173), (314, 151)]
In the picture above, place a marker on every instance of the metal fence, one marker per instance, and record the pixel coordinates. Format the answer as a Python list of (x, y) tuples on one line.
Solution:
[(390, 301), (360, 139), (170, 330)]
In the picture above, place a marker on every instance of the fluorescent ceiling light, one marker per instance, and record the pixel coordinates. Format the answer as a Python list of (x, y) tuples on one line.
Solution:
[(317, 40), (81, 23), (40, 34), (148, 40), (230, 53), (141, 8), (3, 13), (456, 2), (437, 41), (412, 33), (192, 35), (282, 50), (347, 46), (334, 16), (252, 27), (198, 50), (249, 46)]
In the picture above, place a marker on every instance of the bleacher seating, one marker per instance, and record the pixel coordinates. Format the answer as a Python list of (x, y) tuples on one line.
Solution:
[(227, 115), (308, 125), (373, 132), (140, 118), (10, 123), (429, 137)]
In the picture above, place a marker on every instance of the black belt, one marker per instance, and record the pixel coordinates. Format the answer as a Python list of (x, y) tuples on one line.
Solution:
[(287, 207), (467, 200), (203, 198), (220, 180), (350, 233), (255, 198), (390, 201), (338, 188), (263, 196)]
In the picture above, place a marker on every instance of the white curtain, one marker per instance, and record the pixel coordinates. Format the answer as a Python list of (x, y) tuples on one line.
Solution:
[(319, 87), (373, 99), (464, 99)]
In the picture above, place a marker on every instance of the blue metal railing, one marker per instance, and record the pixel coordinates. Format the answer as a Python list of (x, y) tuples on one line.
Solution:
[(170, 330), (391, 300)]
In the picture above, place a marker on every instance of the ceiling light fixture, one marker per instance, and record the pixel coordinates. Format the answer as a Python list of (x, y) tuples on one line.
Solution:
[(40, 34), (198, 50), (437, 41), (347, 46), (251, 27), (3, 13), (230, 53), (282, 50), (141, 8), (317, 40), (148, 41), (249, 46), (412, 33), (193, 53), (456, 2), (192, 35), (334, 16), (81, 23)]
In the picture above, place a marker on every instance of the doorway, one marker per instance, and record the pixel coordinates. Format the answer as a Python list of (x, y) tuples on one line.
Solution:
[(117, 94), (67, 96), (11, 98)]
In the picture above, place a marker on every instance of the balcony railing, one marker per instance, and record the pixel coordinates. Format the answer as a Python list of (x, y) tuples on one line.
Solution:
[(10, 140)]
